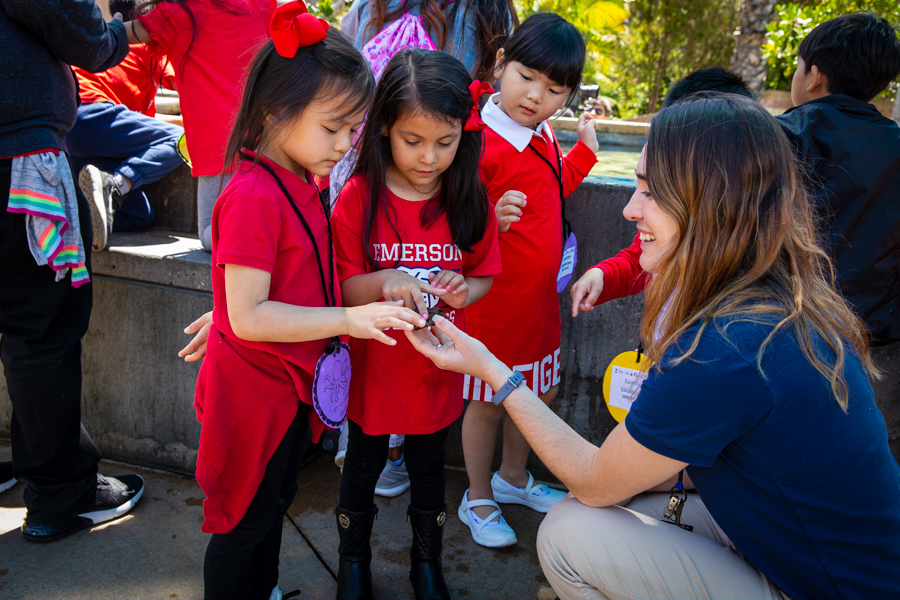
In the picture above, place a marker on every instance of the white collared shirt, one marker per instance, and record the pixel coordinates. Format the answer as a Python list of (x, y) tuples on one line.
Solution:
[(516, 134)]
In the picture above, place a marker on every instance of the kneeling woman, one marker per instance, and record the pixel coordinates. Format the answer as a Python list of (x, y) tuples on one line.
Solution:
[(760, 391)]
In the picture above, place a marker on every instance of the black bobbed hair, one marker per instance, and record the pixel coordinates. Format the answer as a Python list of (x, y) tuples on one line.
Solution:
[(551, 45)]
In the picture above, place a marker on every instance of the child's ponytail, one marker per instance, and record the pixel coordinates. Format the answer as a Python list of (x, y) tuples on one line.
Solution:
[(437, 85)]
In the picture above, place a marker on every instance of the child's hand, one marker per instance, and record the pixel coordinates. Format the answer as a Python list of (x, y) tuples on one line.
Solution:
[(196, 350), (509, 209), (454, 283), (587, 133), (370, 320), (586, 291), (398, 285)]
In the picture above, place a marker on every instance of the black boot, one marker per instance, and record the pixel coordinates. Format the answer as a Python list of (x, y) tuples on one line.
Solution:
[(354, 580), (425, 570)]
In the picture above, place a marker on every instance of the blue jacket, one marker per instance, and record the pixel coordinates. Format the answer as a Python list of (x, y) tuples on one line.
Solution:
[(39, 39), (851, 153)]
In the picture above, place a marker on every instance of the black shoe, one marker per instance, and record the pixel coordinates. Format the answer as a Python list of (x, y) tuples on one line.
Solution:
[(104, 199), (354, 580), (6, 476), (426, 570), (115, 497)]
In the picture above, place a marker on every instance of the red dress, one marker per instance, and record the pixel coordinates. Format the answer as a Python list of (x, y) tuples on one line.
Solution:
[(211, 63), (518, 320), (248, 392), (394, 389)]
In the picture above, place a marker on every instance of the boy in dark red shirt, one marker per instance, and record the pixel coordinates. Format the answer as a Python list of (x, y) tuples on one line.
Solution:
[(116, 144)]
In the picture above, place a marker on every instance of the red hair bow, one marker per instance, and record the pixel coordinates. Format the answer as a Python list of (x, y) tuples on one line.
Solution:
[(292, 27), (474, 122)]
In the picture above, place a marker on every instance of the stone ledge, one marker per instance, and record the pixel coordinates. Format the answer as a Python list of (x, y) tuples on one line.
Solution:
[(167, 258)]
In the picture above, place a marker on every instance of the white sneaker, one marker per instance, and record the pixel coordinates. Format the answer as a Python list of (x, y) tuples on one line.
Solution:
[(393, 481), (487, 532), (342, 446), (276, 594), (537, 497)]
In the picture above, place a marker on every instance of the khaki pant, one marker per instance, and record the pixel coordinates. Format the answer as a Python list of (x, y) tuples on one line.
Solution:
[(616, 552)]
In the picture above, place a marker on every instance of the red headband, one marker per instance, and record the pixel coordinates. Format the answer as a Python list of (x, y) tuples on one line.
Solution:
[(292, 27), (474, 122)]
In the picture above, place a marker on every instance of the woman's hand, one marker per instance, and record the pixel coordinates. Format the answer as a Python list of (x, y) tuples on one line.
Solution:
[(587, 131), (586, 291), (196, 350), (451, 349), (509, 209), (398, 285), (370, 320), (454, 283)]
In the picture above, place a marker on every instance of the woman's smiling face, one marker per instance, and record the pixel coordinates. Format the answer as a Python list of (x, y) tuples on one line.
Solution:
[(656, 228)]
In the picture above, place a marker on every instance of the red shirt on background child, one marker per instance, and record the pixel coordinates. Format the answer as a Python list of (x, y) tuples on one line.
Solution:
[(395, 389), (518, 320), (132, 83), (210, 55), (622, 274), (247, 392)]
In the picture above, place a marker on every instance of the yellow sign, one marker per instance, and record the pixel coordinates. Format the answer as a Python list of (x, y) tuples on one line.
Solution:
[(622, 382), (183, 151)]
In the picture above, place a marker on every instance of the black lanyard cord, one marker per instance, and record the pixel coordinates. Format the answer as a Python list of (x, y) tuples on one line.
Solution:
[(567, 227), (332, 300)]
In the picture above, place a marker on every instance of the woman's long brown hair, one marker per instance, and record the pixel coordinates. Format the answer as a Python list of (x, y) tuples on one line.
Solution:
[(746, 247)]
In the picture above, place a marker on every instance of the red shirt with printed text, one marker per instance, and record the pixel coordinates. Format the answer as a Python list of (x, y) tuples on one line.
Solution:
[(394, 389)]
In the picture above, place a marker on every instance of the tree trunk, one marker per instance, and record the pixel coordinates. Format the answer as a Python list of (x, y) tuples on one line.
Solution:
[(748, 59), (896, 114)]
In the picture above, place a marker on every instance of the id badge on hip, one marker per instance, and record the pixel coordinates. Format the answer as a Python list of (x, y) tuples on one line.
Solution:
[(567, 265), (331, 385)]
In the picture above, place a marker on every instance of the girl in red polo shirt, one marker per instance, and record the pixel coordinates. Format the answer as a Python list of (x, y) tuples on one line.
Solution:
[(275, 367), (413, 224), (527, 178), (210, 44)]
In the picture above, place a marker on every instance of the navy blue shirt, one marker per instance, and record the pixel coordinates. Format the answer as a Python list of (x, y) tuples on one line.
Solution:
[(809, 494)]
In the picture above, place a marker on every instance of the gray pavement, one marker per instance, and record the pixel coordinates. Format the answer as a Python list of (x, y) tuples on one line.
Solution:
[(156, 551)]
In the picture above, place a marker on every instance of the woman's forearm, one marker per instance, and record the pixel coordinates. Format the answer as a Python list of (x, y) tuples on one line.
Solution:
[(562, 450)]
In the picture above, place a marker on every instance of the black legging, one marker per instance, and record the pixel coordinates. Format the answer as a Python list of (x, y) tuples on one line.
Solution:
[(243, 563), (367, 455)]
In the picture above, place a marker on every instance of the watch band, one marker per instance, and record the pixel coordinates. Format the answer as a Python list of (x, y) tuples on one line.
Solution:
[(514, 381)]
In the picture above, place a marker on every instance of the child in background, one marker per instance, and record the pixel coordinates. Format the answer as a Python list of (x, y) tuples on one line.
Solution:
[(412, 224), (210, 44), (277, 308), (117, 145), (852, 156), (527, 180)]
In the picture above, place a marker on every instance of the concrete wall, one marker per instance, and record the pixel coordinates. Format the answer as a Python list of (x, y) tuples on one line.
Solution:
[(137, 397)]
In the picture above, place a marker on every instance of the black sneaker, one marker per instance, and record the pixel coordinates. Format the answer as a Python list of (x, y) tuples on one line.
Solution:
[(115, 497), (104, 199), (6, 476)]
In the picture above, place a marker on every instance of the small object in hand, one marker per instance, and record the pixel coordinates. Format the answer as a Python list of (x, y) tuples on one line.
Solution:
[(432, 313)]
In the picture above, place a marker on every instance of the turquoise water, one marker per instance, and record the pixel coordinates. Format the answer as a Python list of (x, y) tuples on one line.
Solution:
[(614, 162)]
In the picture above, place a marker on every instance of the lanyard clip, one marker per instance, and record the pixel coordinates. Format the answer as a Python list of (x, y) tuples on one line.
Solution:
[(674, 508)]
